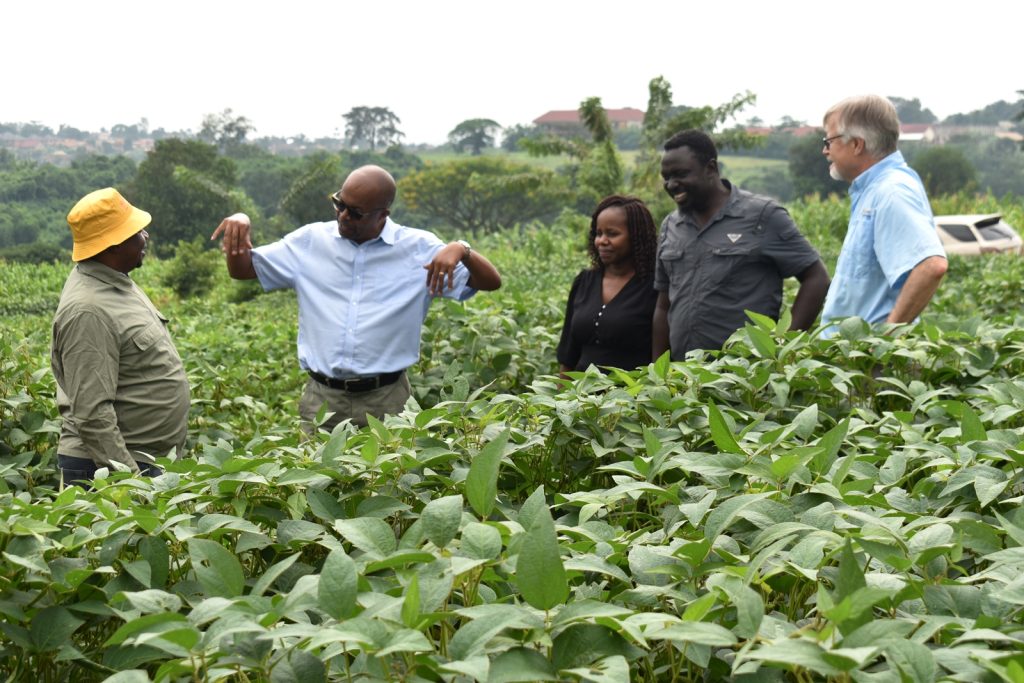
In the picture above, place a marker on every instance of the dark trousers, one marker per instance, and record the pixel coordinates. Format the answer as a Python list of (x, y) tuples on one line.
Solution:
[(81, 471)]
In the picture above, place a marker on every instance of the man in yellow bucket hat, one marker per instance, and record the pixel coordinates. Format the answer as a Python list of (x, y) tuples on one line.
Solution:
[(121, 389)]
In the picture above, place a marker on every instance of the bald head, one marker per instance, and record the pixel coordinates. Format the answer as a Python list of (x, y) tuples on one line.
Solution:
[(372, 184)]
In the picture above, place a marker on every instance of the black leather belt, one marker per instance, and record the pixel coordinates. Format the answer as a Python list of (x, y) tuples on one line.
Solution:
[(357, 384)]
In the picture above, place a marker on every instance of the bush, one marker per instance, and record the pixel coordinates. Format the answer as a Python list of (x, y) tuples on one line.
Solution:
[(192, 270), (37, 252)]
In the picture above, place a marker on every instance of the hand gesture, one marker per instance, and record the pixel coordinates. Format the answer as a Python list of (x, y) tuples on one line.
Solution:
[(236, 230), (444, 264)]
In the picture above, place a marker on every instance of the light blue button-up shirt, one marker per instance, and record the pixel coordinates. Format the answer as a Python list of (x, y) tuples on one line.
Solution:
[(891, 231), (361, 306)]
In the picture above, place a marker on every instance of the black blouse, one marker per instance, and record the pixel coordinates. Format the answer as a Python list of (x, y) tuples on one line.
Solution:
[(616, 334)]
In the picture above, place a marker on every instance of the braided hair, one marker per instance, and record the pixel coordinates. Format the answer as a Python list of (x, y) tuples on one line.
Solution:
[(643, 235)]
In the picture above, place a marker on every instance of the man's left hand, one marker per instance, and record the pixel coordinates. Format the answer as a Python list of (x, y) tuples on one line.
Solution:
[(444, 264)]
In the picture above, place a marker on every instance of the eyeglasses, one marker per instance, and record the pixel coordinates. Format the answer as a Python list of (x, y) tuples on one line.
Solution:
[(355, 214), (828, 141)]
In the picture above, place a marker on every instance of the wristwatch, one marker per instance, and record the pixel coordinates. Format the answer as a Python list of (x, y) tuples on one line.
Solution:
[(465, 245)]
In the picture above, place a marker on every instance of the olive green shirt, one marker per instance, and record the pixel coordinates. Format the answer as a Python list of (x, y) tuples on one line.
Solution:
[(121, 388)]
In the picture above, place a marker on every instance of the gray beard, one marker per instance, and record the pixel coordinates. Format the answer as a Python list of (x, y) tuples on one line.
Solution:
[(834, 172)]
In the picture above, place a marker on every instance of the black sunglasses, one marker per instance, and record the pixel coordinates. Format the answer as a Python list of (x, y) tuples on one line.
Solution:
[(828, 141), (353, 213)]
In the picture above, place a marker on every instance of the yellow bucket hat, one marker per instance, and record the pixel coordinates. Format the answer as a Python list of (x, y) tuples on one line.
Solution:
[(102, 219)]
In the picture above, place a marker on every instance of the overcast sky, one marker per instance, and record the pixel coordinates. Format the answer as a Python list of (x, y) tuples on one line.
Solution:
[(296, 67)]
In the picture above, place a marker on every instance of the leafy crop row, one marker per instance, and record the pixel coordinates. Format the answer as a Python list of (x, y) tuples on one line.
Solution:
[(791, 509)]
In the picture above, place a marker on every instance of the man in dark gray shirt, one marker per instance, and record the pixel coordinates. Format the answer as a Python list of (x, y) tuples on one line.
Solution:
[(723, 252), (121, 389)]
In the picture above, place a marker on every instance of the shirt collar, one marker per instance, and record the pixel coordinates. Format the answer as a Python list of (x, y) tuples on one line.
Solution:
[(104, 274), (868, 176), (389, 232)]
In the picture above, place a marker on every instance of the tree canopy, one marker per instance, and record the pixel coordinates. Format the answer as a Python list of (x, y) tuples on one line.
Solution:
[(474, 134), (225, 130), (944, 170), (483, 194), (373, 126)]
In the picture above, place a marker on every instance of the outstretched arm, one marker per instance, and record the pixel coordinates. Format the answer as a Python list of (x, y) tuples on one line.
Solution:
[(236, 245), (918, 290), (814, 282)]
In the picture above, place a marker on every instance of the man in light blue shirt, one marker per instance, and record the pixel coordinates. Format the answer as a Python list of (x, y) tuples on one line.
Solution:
[(364, 285), (892, 260)]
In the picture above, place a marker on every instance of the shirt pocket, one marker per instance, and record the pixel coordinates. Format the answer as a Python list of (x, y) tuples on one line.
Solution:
[(726, 262), (672, 262), (861, 261), (145, 353)]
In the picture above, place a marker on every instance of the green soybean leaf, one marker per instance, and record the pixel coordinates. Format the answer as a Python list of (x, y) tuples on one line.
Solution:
[(971, 428), (441, 518), (763, 343), (411, 604), (153, 550), (725, 514), (521, 665), (721, 434), (831, 442), (481, 541), (914, 660), (369, 534), (540, 574), (217, 569), (52, 627), (339, 585), (482, 480), (130, 676), (608, 670), (851, 575), (584, 644), (698, 632), (789, 653), (298, 666), (807, 421), (531, 507), (272, 574), (471, 638)]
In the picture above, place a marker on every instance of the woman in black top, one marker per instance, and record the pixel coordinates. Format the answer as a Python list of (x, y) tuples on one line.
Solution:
[(611, 304)]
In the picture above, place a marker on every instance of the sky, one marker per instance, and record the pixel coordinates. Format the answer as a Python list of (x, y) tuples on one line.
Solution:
[(295, 67)]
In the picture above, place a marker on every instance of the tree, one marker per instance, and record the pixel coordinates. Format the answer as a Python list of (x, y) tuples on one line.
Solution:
[(945, 170), (375, 126), (910, 111), (476, 134), (598, 170), (188, 188), (513, 134), (1019, 117), (808, 168), (483, 194), (225, 131), (662, 120)]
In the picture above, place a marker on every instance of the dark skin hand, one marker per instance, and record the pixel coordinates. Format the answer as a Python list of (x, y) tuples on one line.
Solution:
[(814, 282), (482, 273)]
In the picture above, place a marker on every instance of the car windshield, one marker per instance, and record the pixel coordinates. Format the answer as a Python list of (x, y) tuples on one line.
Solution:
[(997, 231), (961, 233)]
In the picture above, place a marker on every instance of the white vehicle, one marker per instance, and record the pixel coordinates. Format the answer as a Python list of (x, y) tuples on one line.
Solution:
[(976, 234)]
